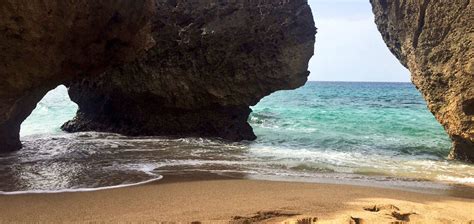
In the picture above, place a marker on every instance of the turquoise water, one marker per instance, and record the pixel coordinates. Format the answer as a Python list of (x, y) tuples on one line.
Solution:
[(371, 118), (50, 113), (358, 133), (365, 128)]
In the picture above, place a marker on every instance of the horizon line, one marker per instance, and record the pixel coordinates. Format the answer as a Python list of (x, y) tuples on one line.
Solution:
[(359, 81)]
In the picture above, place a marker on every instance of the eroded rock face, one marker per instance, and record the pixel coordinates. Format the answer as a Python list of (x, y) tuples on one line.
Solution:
[(212, 60), (435, 41), (44, 43)]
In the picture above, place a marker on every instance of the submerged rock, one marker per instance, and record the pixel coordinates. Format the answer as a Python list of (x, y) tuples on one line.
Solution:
[(434, 40), (212, 60), (44, 43)]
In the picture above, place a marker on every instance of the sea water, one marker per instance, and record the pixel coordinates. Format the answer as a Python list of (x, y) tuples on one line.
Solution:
[(342, 132)]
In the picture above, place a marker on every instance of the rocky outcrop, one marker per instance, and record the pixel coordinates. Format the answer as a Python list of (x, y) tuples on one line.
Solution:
[(435, 41), (44, 43), (212, 60)]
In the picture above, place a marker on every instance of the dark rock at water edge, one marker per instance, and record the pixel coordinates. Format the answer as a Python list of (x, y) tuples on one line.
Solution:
[(45, 43), (212, 60)]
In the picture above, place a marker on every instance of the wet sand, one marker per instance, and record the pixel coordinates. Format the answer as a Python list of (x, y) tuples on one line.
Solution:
[(224, 200)]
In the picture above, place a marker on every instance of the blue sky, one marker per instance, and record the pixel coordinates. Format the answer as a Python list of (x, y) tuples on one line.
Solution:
[(349, 46)]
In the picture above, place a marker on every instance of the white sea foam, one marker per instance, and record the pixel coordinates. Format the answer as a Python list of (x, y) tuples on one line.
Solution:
[(159, 177), (317, 131), (462, 180)]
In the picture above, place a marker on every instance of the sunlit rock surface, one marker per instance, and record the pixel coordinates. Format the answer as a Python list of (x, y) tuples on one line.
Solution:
[(434, 40)]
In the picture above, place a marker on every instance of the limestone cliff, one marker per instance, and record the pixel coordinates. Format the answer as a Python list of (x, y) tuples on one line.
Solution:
[(435, 41), (212, 60), (44, 43)]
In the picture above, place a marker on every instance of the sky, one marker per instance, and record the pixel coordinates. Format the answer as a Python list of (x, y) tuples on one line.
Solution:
[(349, 46)]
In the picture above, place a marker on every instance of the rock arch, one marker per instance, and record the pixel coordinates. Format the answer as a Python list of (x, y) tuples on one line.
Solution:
[(44, 43), (212, 59)]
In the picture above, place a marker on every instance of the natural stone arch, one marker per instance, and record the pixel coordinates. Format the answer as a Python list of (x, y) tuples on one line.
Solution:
[(433, 39), (45, 43), (81, 39), (212, 60)]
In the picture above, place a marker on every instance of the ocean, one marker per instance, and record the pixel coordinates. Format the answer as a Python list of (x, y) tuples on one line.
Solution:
[(331, 132)]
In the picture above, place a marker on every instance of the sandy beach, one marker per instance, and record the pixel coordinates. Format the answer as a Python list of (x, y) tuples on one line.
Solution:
[(237, 111), (222, 200)]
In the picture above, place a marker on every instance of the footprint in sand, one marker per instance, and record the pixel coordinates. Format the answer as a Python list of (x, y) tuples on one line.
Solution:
[(377, 208), (265, 216), (261, 216), (355, 220), (404, 217), (303, 220), (393, 211)]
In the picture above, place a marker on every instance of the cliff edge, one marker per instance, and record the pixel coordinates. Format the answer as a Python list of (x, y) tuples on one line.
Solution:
[(434, 40)]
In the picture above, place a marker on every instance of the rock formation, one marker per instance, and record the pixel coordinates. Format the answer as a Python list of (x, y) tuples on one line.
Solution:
[(44, 43), (435, 41), (209, 61), (212, 60)]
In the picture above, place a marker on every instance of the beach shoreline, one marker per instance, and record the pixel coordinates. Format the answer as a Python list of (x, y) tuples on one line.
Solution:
[(208, 198)]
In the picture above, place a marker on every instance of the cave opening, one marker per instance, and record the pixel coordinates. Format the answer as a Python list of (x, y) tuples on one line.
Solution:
[(54, 109)]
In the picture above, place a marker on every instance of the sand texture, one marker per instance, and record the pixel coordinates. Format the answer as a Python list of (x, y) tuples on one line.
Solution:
[(237, 201)]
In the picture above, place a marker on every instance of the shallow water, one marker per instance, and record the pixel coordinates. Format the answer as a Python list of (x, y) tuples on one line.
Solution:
[(362, 128), (359, 133)]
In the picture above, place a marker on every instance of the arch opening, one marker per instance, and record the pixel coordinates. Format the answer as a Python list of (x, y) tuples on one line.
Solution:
[(54, 109)]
